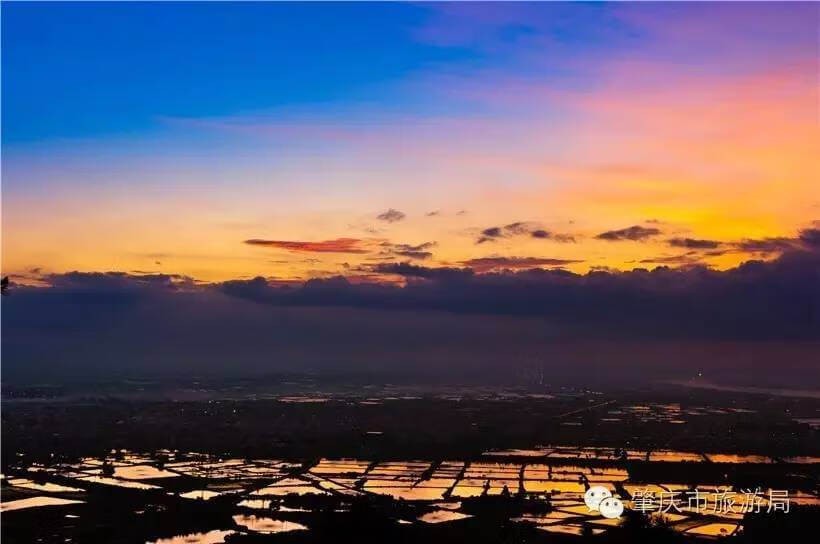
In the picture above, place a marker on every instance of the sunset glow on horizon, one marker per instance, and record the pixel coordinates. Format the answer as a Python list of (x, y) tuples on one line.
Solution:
[(484, 136)]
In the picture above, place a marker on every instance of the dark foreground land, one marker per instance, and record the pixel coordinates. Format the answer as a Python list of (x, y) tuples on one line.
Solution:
[(297, 462)]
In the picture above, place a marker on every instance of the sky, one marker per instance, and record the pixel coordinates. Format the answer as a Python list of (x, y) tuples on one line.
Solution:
[(404, 152)]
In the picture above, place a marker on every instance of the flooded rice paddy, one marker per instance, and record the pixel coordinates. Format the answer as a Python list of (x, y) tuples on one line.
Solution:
[(542, 487)]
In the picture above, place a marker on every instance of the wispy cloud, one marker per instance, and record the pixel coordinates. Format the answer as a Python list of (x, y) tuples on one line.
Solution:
[(418, 251), (391, 216), (693, 243), (409, 270), (521, 228), (633, 233), (485, 264), (339, 245), (766, 245), (688, 258)]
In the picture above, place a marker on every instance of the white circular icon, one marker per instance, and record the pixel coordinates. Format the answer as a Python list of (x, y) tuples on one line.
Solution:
[(611, 507), (595, 495)]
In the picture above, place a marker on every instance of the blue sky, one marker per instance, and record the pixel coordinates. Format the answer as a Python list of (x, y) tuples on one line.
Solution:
[(78, 70)]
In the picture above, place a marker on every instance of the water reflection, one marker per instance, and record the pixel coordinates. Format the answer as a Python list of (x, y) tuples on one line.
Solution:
[(142, 472), (47, 487), (119, 483), (441, 516), (714, 529), (201, 494), (211, 537), (34, 502), (267, 525)]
